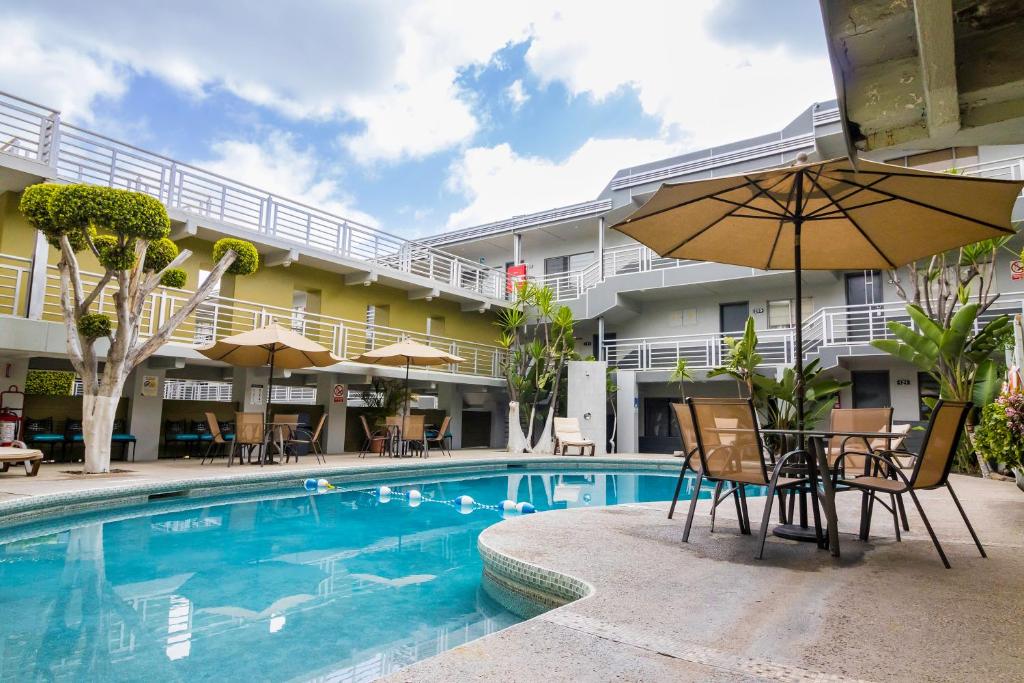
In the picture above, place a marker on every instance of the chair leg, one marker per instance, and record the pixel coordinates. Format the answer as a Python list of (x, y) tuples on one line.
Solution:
[(928, 526), (739, 509), (693, 507), (895, 515), (903, 512), (675, 496), (715, 500), (966, 521), (742, 492), (782, 508), (766, 516)]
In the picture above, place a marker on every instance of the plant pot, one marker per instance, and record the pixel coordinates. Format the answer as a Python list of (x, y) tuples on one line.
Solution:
[(377, 446), (1018, 474)]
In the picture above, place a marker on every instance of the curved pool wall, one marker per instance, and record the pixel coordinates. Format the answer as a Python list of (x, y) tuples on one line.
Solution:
[(265, 580)]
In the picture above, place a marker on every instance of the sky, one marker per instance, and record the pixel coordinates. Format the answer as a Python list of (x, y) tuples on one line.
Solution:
[(419, 117)]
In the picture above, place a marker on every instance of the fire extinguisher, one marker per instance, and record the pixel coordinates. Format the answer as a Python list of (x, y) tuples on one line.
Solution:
[(10, 417)]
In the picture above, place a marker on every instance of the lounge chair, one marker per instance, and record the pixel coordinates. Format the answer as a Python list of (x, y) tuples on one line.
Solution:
[(438, 436), (303, 436), (372, 438), (19, 453), (568, 435), (931, 470), (39, 432), (732, 452)]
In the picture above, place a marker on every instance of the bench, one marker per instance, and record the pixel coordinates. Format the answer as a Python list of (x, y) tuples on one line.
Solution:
[(29, 457)]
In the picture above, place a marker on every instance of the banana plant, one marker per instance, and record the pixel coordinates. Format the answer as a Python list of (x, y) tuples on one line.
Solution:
[(742, 358), (961, 356), (776, 398), (680, 374)]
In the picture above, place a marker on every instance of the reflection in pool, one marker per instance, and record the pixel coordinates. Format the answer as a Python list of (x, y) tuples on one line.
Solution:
[(340, 586)]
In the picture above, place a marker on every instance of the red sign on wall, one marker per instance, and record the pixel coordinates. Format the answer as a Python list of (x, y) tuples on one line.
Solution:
[(514, 274), (1016, 270)]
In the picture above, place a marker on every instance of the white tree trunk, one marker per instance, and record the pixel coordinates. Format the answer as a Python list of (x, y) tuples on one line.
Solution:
[(97, 428), (516, 439), (545, 446)]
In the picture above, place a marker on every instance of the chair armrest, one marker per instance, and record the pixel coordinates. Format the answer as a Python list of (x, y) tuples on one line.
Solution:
[(880, 457)]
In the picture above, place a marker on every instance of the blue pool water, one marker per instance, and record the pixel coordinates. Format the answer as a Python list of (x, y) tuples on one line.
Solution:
[(283, 585)]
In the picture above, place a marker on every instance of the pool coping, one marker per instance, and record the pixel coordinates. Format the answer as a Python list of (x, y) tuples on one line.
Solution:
[(34, 508)]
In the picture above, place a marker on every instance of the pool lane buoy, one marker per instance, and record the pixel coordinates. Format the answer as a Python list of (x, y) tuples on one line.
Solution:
[(525, 508), (415, 498), (384, 494), (507, 505)]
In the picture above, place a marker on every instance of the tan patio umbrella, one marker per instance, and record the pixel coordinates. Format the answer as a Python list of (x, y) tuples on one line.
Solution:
[(828, 215), (407, 352), (272, 345)]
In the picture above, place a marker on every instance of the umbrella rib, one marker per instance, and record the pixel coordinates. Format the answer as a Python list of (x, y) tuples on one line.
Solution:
[(686, 203), (717, 220), (770, 214), (853, 222), (784, 207), (939, 209), (846, 196), (818, 216), (934, 176), (778, 233)]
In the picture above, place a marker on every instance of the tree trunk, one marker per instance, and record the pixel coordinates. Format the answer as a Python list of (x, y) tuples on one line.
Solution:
[(545, 446), (612, 447), (97, 428), (516, 439)]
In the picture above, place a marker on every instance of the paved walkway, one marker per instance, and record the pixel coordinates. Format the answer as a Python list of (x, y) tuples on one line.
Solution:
[(709, 611), (55, 477)]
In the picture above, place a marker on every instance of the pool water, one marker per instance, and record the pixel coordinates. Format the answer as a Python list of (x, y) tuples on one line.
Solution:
[(342, 586)]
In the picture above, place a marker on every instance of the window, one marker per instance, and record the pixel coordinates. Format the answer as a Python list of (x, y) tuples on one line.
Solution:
[(782, 312), (565, 264), (300, 300), (206, 313), (658, 420)]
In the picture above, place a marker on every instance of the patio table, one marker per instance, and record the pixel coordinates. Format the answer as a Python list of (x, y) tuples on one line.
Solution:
[(816, 440), (275, 435)]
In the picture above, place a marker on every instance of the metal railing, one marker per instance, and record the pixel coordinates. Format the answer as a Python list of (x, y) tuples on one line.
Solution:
[(832, 326), (221, 316), (14, 278), (78, 155)]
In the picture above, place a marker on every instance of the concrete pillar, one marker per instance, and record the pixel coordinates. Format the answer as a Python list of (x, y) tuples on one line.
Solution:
[(333, 438), (246, 379), (499, 422), (588, 401), (600, 248), (37, 280), (599, 355), (145, 413), (13, 371), (627, 403), (449, 399), (517, 248)]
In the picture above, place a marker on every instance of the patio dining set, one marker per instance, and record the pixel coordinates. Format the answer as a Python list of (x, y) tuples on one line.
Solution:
[(861, 452), (263, 440), (405, 437)]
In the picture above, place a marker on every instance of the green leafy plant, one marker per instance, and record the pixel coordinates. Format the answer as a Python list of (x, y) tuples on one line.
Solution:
[(159, 254), (741, 359), (776, 402), (247, 260), (174, 277), (49, 382), (384, 398), (1000, 434), (680, 375), (94, 325)]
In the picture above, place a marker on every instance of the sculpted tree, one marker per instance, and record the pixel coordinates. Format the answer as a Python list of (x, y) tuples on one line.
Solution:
[(127, 233)]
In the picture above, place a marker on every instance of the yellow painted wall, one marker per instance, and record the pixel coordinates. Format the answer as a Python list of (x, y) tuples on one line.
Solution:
[(274, 286)]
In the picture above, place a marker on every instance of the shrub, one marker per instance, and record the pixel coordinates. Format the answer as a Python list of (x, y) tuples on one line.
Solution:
[(248, 259), (94, 326), (35, 204), (113, 254), (49, 382), (1000, 435), (175, 277), (75, 208), (159, 254)]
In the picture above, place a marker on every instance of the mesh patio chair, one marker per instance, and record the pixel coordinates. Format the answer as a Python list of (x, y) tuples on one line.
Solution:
[(370, 438), (249, 436), (414, 434), (440, 435), (732, 453), (691, 461), (931, 470), (218, 439), (301, 435)]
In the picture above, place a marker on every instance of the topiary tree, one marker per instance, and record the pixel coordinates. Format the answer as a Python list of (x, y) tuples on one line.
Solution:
[(127, 233)]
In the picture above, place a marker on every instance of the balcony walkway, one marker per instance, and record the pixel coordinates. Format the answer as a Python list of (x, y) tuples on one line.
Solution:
[(707, 611)]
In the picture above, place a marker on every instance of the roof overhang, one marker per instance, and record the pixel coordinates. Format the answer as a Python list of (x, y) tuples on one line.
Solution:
[(926, 75)]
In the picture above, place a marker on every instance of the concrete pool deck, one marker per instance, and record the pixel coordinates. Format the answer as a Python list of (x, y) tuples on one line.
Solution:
[(661, 610)]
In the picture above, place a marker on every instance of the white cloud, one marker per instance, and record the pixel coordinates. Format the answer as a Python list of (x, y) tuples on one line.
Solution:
[(683, 74), (56, 76), (516, 94), (277, 164), (500, 183)]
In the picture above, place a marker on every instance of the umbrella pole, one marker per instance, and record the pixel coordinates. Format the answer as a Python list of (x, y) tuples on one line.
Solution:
[(407, 361), (270, 383), (798, 352)]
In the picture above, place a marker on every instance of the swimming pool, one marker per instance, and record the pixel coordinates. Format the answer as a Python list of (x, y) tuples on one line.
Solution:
[(347, 585)]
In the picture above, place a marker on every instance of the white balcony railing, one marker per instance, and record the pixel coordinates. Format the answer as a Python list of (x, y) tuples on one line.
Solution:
[(34, 132), (14, 279), (830, 327), (220, 316)]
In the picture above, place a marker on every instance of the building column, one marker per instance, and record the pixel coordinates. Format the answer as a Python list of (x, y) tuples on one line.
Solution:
[(242, 394), (145, 413), (37, 278), (600, 248), (627, 404), (517, 248), (600, 339), (449, 399), (499, 421), (333, 440), (588, 401)]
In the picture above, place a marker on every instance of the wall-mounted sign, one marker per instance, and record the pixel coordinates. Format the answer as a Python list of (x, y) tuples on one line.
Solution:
[(150, 384), (339, 393), (513, 275), (1016, 270), (759, 310), (903, 382), (255, 394)]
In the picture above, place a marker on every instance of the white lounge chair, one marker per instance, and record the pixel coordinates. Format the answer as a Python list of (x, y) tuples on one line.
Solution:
[(568, 435)]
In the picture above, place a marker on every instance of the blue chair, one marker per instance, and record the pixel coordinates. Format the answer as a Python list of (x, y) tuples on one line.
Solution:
[(72, 436), (124, 438), (175, 433), (39, 432)]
